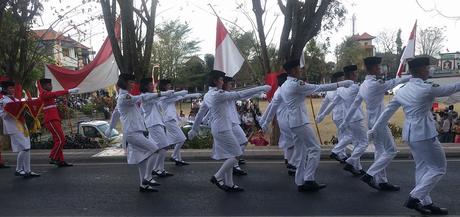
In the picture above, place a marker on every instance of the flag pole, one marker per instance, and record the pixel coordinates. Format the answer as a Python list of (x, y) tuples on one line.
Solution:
[(253, 75), (314, 119)]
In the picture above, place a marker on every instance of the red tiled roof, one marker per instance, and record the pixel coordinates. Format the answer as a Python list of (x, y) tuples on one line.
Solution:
[(364, 36), (51, 35)]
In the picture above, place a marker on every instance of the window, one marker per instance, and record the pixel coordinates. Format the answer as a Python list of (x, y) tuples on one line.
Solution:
[(90, 132), (65, 52)]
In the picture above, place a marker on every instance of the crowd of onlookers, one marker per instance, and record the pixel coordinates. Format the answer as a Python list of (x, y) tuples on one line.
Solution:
[(448, 125)]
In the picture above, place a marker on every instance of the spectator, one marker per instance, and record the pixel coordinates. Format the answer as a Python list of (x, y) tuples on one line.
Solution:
[(456, 130), (445, 129)]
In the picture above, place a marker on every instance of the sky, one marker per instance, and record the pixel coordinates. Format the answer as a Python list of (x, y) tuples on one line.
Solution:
[(372, 16)]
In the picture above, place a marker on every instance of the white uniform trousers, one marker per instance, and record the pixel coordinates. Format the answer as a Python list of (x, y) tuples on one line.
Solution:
[(139, 147), (158, 134), (340, 149), (310, 151), (356, 134), (430, 167), (385, 151)]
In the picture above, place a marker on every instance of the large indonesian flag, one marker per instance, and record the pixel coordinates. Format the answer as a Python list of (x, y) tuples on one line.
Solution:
[(228, 58), (409, 51), (100, 73)]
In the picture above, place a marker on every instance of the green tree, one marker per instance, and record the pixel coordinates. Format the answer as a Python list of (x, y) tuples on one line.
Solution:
[(349, 52), (192, 75), (316, 68), (173, 47)]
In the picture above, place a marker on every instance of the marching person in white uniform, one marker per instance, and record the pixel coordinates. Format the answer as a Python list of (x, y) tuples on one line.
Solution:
[(153, 115), (18, 132), (356, 132), (293, 92), (174, 133), (416, 98), (286, 139), (237, 130), (225, 144), (140, 149), (372, 91), (338, 153)]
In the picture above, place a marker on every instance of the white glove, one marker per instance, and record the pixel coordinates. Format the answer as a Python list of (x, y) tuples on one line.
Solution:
[(319, 118), (191, 134), (345, 83), (167, 93), (371, 135), (266, 88), (74, 90)]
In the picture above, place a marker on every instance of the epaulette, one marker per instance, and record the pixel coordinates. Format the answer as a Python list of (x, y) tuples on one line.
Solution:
[(221, 91), (432, 84), (301, 82), (128, 96)]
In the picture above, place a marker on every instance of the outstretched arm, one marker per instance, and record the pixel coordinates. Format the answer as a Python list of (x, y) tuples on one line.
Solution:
[(392, 83), (328, 109), (53, 94), (383, 119), (446, 90)]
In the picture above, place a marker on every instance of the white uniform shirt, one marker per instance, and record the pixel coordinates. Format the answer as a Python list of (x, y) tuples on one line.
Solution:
[(130, 114), (277, 106), (338, 112), (346, 97), (416, 98), (9, 122), (217, 101), (168, 105), (372, 91), (293, 92)]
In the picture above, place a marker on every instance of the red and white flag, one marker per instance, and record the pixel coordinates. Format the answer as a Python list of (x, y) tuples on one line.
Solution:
[(100, 73), (227, 58), (409, 51)]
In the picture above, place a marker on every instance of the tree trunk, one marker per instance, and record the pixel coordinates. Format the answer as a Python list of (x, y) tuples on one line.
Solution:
[(258, 11)]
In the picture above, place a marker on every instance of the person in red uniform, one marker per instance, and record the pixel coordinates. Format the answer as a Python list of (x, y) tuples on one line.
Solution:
[(52, 121)]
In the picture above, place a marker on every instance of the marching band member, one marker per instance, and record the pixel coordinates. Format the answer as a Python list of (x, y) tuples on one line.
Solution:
[(52, 121), (416, 98), (225, 144), (18, 132), (293, 92), (372, 91)]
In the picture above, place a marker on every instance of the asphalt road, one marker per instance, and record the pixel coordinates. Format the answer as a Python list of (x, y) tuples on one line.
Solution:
[(111, 188)]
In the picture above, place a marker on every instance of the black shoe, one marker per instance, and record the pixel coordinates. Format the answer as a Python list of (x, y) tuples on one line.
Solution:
[(235, 188), (286, 161), (436, 210), (163, 174), (336, 157), (52, 161), (291, 172), (172, 159), (241, 162), (239, 172), (219, 183), (20, 173), (388, 187), (31, 175), (291, 167), (352, 170), (369, 180), (311, 186), (3, 166), (150, 182), (181, 163), (63, 164), (147, 189), (414, 203)]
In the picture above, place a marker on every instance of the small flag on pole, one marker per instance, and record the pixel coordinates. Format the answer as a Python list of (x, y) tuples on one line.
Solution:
[(409, 51), (228, 58)]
